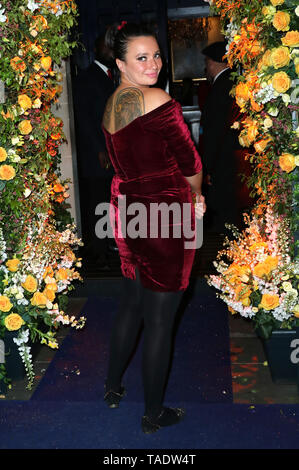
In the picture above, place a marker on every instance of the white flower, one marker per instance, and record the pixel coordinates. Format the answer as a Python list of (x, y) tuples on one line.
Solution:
[(287, 286), (286, 98), (2, 16), (297, 160), (273, 111), (27, 192), (32, 6), (297, 10)]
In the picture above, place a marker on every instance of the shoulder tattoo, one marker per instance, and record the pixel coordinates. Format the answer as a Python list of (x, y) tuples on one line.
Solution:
[(129, 104), (107, 113)]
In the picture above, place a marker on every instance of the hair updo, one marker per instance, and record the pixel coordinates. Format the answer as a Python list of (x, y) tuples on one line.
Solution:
[(118, 36)]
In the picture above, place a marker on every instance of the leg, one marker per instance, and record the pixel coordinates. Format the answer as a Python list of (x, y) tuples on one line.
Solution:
[(124, 333), (159, 310)]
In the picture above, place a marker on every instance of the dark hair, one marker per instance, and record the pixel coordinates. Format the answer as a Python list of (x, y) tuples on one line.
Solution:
[(118, 36)]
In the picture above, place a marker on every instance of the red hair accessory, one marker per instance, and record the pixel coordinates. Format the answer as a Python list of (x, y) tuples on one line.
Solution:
[(123, 23)]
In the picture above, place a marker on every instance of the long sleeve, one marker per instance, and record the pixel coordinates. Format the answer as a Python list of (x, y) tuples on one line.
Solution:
[(176, 136)]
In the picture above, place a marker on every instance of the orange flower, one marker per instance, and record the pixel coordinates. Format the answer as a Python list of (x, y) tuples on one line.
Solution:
[(48, 272), (46, 63), (291, 39), (242, 292), (271, 262), (7, 172), (277, 2), (281, 82), (39, 23), (25, 102), (261, 145), (242, 94), (58, 188), (62, 274), (280, 57), (281, 21), (5, 305), (287, 162), (17, 64), (3, 154), (25, 127), (269, 301), (261, 270)]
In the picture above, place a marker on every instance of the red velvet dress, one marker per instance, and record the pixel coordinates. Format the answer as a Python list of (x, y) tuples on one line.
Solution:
[(151, 156)]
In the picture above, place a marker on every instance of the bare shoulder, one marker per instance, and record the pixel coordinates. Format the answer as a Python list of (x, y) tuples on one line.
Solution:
[(155, 97)]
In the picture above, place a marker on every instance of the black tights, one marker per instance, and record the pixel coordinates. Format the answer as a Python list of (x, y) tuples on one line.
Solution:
[(156, 310)]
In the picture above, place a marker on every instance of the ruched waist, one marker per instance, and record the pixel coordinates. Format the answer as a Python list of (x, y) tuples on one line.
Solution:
[(157, 184)]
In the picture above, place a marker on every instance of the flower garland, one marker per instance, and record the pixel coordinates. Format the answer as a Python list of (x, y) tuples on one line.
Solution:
[(37, 258), (263, 50)]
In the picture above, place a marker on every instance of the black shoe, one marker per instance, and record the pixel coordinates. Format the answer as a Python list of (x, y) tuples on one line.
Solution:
[(167, 417), (113, 398)]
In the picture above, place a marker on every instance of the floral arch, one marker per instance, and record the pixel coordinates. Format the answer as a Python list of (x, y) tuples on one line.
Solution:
[(258, 271), (37, 259)]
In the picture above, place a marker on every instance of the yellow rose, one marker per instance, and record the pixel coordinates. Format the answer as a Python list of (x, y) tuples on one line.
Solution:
[(281, 21), (280, 57), (296, 311), (46, 63), (297, 69), (39, 300), (3, 154), (49, 293), (7, 172), (275, 3), (25, 127), (281, 82), (25, 102), (30, 284), (13, 322), (5, 304), (291, 39), (269, 301), (266, 59), (287, 162), (12, 264)]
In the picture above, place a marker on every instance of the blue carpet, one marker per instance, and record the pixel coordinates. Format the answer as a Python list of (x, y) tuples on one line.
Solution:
[(200, 367), (67, 409), (90, 425)]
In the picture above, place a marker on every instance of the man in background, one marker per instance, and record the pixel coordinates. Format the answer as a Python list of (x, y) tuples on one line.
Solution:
[(219, 142), (92, 88)]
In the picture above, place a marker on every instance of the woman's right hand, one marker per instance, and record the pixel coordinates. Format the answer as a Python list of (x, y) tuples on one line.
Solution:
[(200, 206)]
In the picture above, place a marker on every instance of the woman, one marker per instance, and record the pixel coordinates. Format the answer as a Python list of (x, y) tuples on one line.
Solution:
[(155, 162)]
